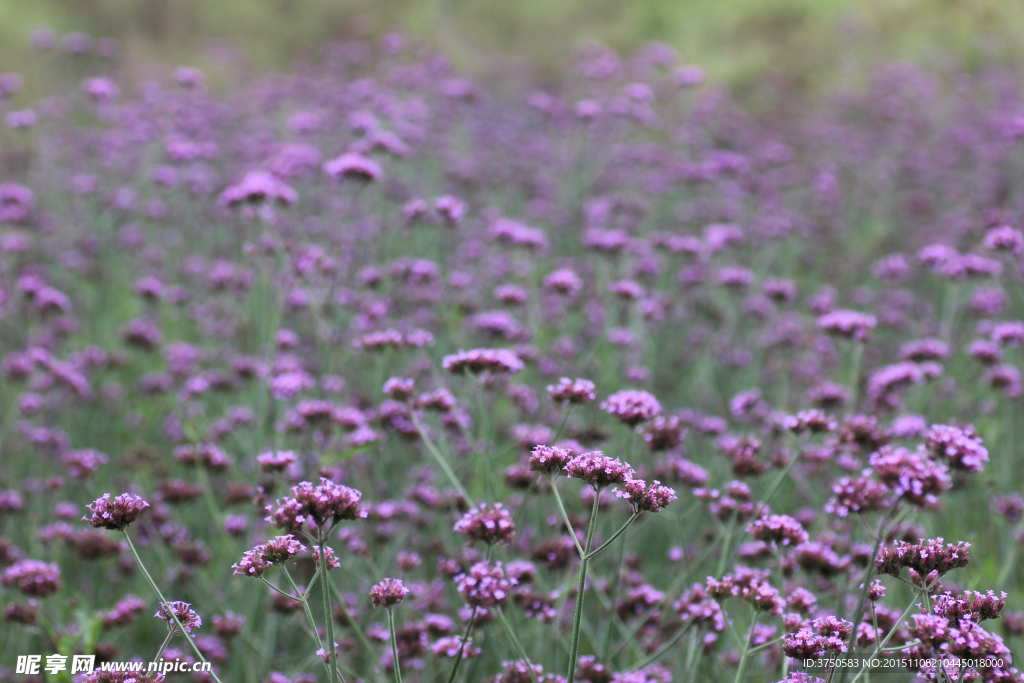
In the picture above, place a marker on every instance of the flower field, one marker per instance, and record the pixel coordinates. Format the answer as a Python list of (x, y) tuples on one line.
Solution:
[(369, 373)]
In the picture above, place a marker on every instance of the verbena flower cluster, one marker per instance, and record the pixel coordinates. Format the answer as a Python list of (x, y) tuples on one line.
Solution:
[(373, 319)]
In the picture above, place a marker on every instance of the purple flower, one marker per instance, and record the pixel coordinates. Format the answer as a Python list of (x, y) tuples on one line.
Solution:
[(631, 406), (188, 617), (115, 514), (450, 209), (276, 461), (778, 529), (911, 475), (563, 281), (485, 585), (494, 361), (353, 166), (400, 388), (1005, 238), (574, 392), (257, 187), (860, 495), (644, 498), (814, 421), (924, 557), (100, 89), (959, 445), (550, 461), (33, 577), (16, 203), (322, 505), (388, 593), (849, 324), (488, 523), (598, 470), (124, 612)]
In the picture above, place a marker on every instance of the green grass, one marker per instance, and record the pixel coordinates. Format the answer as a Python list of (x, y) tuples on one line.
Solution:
[(811, 43)]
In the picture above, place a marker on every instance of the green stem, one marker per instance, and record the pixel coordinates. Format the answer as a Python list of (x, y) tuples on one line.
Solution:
[(662, 650), (858, 355), (746, 651), (561, 424), (580, 588), (394, 645), (518, 645), (167, 640), (441, 460), (360, 634), (892, 632), (612, 616), (526, 498), (309, 614), (165, 605), (462, 646), (279, 591), (565, 518), (691, 656), (328, 617), (611, 540)]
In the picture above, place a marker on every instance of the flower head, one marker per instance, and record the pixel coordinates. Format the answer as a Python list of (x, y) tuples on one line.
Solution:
[(849, 324), (33, 577), (115, 514), (631, 406), (324, 505), (488, 523), (924, 557), (598, 470), (960, 445), (485, 585), (572, 391), (388, 593), (476, 361), (353, 166), (780, 529), (188, 617), (550, 460), (276, 461), (644, 498)]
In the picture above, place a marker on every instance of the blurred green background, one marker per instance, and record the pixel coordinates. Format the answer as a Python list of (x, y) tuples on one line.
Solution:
[(808, 42)]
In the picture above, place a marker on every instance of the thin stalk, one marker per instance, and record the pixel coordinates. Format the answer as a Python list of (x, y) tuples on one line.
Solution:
[(485, 429), (360, 634), (328, 617), (462, 646), (691, 656), (518, 645), (580, 588), (279, 591), (165, 605), (746, 651), (441, 460), (866, 582), (167, 640), (892, 632), (394, 645), (858, 355), (611, 540), (565, 518), (679, 583), (662, 650), (561, 424), (526, 498), (612, 617), (309, 614)]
